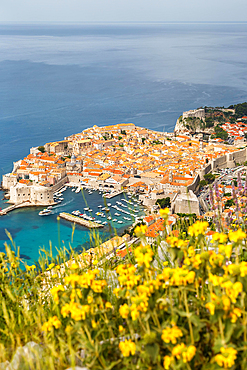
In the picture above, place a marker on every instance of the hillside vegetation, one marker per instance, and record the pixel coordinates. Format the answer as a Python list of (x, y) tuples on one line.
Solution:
[(176, 302)]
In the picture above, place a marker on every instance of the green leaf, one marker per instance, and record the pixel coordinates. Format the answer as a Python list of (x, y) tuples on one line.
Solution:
[(182, 313), (152, 350), (218, 344), (229, 327), (196, 333)]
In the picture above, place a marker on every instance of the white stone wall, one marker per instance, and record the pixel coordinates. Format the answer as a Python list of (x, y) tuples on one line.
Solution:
[(199, 113), (34, 193), (8, 181)]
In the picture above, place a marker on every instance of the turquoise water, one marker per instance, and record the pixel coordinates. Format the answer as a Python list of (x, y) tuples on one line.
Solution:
[(31, 231), (56, 80)]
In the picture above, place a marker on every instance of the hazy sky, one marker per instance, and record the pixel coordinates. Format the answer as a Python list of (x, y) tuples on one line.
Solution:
[(122, 10)]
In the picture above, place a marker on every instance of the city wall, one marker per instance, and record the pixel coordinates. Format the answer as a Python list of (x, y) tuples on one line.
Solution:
[(194, 184), (226, 161)]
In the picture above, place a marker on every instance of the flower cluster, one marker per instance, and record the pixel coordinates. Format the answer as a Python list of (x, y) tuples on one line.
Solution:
[(52, 322), (143, 255), (226, 358), (146, 313)]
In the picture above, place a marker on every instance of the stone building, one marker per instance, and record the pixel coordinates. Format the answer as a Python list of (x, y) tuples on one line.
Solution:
[(185, 203), (197, 113), (35, 194)]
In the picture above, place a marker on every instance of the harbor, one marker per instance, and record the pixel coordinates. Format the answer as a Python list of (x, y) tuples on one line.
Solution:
[(42, 231)]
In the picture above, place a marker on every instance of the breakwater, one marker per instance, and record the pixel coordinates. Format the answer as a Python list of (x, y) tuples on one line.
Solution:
[(80, 221)]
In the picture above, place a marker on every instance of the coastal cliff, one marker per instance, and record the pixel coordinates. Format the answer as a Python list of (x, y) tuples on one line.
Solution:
[(180, 127)]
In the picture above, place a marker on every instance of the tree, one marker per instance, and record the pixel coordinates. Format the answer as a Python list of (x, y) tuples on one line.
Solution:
[(203, 183), (209, 177), (229, 203), (164, 202), (41, 148), (241, 110), (143, 140), (209, 122), (220, 133)]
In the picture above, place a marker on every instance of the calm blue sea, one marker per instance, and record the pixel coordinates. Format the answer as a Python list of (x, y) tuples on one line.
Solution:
[(56, 80)]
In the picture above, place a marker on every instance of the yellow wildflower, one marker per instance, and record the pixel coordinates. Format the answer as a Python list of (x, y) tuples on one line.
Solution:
[(177, 351), (77, 311), (176, 242), (219, 237), (235, 314), (243, 269), (53, 321), (108, 305), (94, 324), (98, 285), (215, 279), (72, 279), (189, 353), (226, 303), (140, 230), (164, 212), (134, 312), (191, 251), (236, 236), (120, 328), (196, 261), (170, 335), (198, 228), (95, 262), (124, 311), (127, 347), (211, 307), (232, 290), (227, 357), (54, 291), (233, 269), (143, 255), (167, 362), (74, 266), (116, 292), (181, 276), (50, 266), (29, 268), (216, 259), (89, 299)]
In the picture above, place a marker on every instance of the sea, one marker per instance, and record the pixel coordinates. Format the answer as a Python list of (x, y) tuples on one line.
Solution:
[(58, 79)]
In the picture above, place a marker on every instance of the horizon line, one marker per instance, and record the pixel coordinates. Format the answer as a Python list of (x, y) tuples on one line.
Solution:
[(122, 22)]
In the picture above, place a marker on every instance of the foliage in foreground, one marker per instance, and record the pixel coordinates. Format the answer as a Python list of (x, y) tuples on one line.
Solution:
[(188, 312)]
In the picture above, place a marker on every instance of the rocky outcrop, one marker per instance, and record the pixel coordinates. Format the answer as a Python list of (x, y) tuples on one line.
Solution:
[(32, 356), (180, 127)]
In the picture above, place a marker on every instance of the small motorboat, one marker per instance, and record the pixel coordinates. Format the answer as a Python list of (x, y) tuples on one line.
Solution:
[(45, 212)]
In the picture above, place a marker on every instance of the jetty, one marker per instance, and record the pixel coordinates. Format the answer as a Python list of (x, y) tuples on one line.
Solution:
[(112, 195), (15, 206), (79, 220)]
